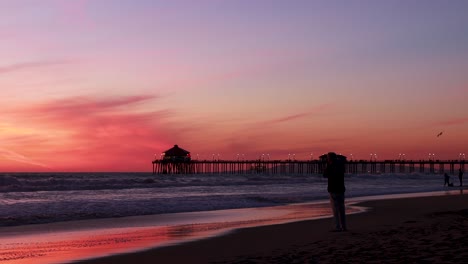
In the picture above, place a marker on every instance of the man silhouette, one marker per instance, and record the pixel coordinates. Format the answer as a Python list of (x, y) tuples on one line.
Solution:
[(336, 189)]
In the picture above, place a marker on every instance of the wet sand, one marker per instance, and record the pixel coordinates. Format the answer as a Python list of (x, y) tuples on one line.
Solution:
[(68, 241), (423, 229)]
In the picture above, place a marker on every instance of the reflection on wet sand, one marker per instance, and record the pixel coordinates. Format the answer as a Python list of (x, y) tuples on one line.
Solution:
[(63, 246), (68, 241)]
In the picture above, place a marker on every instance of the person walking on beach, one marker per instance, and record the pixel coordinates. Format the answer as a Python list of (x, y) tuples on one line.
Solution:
[(334, 171), (460, 176)]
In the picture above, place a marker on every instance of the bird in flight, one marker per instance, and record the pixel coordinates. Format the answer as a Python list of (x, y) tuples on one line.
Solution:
[(440, 134)]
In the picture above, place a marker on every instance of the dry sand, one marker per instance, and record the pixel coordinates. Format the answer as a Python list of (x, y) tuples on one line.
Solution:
[(410, 230)]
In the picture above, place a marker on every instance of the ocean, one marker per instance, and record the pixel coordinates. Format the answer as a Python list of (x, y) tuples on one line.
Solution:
[(31, 198)]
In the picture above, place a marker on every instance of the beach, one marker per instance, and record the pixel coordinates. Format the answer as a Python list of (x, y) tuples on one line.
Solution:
[(52, 218), (430, 229)]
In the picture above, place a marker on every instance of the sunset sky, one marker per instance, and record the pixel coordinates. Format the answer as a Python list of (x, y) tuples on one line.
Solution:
[(106, 85)]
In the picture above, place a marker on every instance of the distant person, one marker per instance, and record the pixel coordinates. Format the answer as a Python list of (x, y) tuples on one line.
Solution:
[(334, 171), (447, 180), (460, 176)]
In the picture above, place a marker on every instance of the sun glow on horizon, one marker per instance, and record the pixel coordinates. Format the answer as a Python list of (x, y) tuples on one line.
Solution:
[(107, 85)]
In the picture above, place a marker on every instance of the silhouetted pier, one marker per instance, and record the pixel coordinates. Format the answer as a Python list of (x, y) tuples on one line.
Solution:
[(274, 167)]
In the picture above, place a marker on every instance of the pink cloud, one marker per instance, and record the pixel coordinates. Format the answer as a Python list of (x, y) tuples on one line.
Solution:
[(253, 64), (315, 110), (17, 157), (89, 134), (85, 105), (31, 65), (453, 122), (288, 118), (253, 139)]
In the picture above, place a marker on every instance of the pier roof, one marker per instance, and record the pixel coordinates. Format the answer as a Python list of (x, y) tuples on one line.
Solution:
[(176, 152)]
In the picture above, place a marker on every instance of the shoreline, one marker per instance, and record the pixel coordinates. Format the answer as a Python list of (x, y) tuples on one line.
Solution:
[(138, 235), (85, 239), (407, 228), (174, 218)]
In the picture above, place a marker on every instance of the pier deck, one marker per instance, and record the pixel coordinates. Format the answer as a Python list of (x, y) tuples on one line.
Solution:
[(304, 166)]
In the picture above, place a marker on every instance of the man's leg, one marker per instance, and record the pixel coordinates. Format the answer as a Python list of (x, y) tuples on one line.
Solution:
[(342, 210), (334, 206)]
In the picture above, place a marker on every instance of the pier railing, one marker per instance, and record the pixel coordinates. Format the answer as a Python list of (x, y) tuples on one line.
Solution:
[(303, 166)]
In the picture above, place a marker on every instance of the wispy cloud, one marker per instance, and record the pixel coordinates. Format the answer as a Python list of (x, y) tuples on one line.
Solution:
[(259, 137), (288, 118), (316, 110), (87, 105), (452, 122), (17, 157), (31, 65), (86, 133)]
